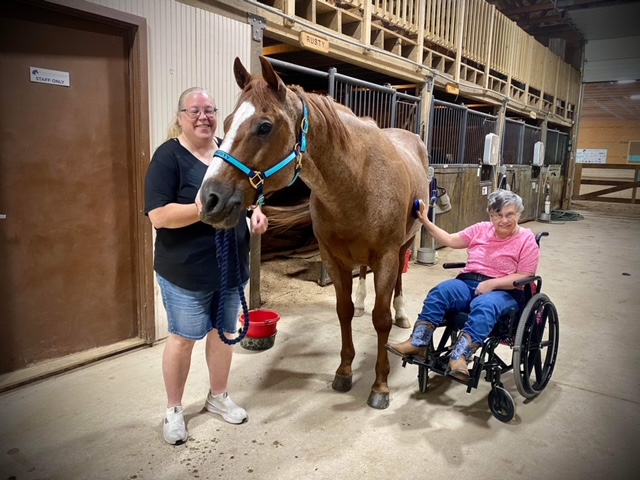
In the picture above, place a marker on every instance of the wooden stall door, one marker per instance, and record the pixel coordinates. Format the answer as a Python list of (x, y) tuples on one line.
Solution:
[(66, 188)]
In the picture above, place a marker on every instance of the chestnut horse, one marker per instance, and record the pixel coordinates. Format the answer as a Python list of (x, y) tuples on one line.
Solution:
[(363, 183)]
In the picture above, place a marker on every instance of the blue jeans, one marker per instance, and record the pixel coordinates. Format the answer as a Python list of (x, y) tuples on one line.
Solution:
[(459, 295), (192, 314)]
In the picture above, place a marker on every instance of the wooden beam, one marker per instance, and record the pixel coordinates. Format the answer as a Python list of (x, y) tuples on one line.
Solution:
[(280, 48)]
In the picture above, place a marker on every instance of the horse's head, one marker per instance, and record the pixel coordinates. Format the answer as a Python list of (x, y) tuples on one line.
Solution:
[(260, 152)]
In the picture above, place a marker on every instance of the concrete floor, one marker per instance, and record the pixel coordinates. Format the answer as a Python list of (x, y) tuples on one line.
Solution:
[(104, 421)]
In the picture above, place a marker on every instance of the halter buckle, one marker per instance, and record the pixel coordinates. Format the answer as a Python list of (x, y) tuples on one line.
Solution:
[(256, 183)]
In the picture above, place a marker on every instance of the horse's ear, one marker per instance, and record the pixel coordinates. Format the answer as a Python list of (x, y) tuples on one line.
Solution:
[(242, 75), (272, 78)]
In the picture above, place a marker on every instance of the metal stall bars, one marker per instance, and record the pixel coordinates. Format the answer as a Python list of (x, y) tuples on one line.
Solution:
[(457, 133), (521, 176)]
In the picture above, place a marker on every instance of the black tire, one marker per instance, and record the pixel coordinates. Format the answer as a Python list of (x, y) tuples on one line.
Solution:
[(423, 378), (536, 346), (501, 404)]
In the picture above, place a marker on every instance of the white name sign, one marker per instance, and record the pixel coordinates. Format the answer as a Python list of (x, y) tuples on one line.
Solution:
[(52, 77)]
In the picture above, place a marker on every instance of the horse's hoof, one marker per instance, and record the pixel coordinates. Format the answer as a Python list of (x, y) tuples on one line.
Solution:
[(358, 312), (342, 383), (378, 400), (403, 322)]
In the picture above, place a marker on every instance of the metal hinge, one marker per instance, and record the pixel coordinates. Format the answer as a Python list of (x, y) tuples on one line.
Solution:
[(258, 24)]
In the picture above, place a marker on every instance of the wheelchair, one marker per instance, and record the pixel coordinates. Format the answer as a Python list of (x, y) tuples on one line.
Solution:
[(531, 333)]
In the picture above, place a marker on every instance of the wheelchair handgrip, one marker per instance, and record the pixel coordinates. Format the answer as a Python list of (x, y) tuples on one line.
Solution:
[(454, 265), (540, 235)]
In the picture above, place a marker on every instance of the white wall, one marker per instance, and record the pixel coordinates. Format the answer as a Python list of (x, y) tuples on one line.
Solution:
[(187, 47)]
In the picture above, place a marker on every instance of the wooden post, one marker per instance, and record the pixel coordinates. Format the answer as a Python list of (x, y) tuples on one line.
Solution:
[(459, 37), (367, 11), (421, 30), (487, 64), (256, 243), (577, 180)]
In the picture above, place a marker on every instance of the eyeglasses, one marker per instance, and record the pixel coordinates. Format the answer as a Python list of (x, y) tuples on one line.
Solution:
[(499, 216), (194, 112)]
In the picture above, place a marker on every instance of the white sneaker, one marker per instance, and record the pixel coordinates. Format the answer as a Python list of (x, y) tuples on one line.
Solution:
[(174, 430), (224, 406)]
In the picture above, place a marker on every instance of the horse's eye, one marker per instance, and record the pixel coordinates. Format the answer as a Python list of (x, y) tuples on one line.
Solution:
[(264, 128)]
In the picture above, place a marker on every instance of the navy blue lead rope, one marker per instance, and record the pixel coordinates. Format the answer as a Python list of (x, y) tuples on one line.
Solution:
[(226, 247)]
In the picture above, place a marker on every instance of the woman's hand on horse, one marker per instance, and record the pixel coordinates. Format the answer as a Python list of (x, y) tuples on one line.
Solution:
[(259, 221), (423, 214)]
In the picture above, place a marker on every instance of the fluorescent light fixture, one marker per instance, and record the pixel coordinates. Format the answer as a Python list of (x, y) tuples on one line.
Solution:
[(635, 96), (624, 82)]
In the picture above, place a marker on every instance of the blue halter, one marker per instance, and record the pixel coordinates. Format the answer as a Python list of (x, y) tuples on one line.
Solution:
[(257, 178)]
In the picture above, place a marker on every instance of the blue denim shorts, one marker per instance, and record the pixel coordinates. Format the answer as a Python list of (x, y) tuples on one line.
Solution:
[(192, 314)]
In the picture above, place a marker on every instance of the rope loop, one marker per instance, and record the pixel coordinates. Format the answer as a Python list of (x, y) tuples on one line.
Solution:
[(226, 252)]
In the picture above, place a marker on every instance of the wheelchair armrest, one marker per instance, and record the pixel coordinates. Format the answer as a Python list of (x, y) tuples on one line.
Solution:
[(525, 281), (454, 265), (529, 292)]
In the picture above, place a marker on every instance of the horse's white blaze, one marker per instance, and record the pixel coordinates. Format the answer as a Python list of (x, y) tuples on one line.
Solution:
[(243, 113), (361, 293)]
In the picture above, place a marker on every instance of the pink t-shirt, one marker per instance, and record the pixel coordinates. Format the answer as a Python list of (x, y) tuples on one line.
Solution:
[(498, 257)]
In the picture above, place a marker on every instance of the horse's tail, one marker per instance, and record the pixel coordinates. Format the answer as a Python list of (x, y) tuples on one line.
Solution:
[(283, 218), (290, 230)]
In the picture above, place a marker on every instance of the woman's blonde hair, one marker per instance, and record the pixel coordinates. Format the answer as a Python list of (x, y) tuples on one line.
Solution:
[(174, 128)]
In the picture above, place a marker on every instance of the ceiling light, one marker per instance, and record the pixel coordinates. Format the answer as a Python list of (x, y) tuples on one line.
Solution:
[(635, 97), (624, 82)]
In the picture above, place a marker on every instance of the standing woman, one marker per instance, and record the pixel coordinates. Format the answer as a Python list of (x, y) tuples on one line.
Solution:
[(185, 261)]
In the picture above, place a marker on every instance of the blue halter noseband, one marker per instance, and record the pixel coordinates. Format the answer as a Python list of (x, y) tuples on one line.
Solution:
[(257, 178)]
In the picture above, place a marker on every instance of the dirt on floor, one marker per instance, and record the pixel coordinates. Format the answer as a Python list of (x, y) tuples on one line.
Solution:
[(292, 280)]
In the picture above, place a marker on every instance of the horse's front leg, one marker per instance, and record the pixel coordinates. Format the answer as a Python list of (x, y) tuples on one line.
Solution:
[(401, 317), (385, 274), (343, 284), (361, 292)]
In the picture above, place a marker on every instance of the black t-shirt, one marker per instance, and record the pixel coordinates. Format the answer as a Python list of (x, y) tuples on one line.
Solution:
[(187, 256)]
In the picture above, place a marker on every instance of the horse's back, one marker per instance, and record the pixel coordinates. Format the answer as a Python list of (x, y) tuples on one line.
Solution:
[(410, 146)]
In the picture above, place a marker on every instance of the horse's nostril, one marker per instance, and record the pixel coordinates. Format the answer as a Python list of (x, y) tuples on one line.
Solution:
[(210, 202)]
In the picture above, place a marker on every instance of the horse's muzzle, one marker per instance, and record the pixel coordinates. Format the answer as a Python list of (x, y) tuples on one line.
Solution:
[(221, 206)]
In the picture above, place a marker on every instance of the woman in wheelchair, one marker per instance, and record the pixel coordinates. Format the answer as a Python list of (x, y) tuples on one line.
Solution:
[(499, 253)]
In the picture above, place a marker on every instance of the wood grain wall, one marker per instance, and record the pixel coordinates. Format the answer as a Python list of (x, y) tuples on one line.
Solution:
[(612, 135)]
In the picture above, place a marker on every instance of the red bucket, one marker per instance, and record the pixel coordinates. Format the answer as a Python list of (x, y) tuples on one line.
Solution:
[(262, 323)]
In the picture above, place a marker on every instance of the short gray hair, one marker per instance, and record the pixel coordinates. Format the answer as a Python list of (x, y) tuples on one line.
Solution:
[(503, 198)]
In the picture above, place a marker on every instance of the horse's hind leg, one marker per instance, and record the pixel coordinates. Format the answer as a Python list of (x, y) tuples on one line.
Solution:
[(401, 318), (361, 292)]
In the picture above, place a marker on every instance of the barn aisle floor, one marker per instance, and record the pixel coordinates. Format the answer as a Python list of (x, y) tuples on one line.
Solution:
[(103, 421)]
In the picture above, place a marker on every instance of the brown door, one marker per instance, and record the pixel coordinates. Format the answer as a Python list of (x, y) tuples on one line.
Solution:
[(67, 273)]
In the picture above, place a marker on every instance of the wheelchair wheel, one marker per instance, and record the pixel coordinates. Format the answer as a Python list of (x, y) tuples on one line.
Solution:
[(423, 378), (536, 346), (501, 404)]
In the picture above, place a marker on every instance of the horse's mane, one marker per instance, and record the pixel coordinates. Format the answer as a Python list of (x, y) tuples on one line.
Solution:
[(328, 109)]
